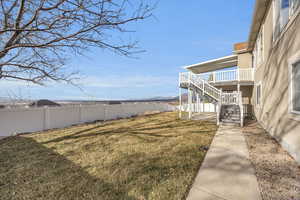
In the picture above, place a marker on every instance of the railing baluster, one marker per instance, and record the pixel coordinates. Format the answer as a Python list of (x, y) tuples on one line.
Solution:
[(229, 75)]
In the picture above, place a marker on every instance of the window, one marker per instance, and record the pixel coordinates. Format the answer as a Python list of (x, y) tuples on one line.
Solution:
[(296, 87), (283, 11), (258, 52), (295, 5), (258, 94)]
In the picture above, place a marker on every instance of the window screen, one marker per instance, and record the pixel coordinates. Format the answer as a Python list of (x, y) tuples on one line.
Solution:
[(258, 94), (296, 87), (295, 4), (284, 13), (283, 10)]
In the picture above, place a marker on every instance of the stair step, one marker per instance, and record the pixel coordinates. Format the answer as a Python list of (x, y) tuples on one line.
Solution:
[(231, 115), (229, 124), (230, 121)]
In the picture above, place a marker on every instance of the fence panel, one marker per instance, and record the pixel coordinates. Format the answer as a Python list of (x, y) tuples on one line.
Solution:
[(60, 117), (21, 120), (92, 112)]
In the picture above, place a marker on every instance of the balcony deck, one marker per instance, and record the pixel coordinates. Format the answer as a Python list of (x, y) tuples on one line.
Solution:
[(221, 78)]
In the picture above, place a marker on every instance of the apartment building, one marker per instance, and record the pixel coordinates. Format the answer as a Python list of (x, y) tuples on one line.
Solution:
[(261, 79)]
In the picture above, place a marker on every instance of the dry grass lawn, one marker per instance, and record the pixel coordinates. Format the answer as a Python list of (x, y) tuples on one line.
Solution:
[(147, 157)]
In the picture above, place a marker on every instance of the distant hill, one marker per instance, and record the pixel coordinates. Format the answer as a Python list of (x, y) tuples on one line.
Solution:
[(152, 99), (157, 99)]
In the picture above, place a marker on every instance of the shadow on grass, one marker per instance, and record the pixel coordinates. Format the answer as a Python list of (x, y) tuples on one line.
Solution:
[(158, 128), (28, 170), (155, 157)]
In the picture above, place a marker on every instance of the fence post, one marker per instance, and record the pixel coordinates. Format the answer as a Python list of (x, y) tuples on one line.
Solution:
[(46, 117), (80, 114), (180, 103), (104, 112), (190, 102)]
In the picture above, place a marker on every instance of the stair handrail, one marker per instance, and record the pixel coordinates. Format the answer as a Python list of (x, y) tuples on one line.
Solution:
[(204, 85)]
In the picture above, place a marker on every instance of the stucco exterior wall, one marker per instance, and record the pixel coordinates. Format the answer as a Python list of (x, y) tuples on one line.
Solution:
[(245, 60), (247, 92), (274, 76)]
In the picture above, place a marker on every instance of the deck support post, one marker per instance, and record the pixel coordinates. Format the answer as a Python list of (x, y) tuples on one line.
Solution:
[(203, 105), (180, 103), (190, 102), (197, 102)]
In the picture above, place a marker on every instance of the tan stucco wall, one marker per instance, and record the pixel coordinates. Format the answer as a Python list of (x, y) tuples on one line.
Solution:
[(247, 92), (245, 60), (273, 74)]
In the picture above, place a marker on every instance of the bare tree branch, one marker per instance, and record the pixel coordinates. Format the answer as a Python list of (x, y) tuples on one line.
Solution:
[(35, 35)]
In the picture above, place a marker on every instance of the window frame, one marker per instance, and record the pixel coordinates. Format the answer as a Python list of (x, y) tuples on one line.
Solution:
[(293, 10), (292, 13), (262, 43), (258, 101), (259, 48), (293, 63)]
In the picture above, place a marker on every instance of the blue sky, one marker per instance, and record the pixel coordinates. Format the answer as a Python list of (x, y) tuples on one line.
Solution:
[(180, 34)]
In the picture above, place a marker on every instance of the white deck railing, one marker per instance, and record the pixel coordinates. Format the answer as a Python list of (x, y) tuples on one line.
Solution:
[(230, 98), (246, 74)]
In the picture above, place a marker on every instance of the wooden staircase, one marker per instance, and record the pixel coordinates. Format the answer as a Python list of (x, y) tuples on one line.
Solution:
[(230, 107)]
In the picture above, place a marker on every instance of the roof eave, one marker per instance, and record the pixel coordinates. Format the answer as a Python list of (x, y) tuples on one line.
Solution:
[(212, 65), (260, 9)]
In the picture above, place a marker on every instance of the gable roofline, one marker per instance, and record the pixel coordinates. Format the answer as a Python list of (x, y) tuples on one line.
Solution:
[(260, 10)]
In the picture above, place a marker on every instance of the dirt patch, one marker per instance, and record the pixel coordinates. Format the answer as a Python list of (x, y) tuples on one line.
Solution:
[(277, 172)]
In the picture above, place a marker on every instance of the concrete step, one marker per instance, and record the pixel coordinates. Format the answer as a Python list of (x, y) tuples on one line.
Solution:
[(230, 121), (230, 124), (231, 116)]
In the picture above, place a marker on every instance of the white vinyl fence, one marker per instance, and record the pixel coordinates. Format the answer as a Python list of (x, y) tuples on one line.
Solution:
[(23, 120), (201, 107)]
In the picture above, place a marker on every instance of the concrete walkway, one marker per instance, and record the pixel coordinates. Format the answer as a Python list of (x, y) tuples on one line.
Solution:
[(226, 172), (205, 116)]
